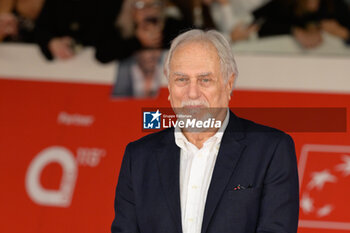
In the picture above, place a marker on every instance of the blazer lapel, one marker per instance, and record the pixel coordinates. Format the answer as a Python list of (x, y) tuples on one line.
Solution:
[(168, 158), (228, 156)]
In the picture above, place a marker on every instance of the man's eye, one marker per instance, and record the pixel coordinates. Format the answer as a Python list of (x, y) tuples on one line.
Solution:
[(205, 80), (180, 79)]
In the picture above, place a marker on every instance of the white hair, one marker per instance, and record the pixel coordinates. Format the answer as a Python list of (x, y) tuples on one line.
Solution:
[(224, 50)]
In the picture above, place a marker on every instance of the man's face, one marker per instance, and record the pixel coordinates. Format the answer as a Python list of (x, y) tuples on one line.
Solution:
[(195, 79)]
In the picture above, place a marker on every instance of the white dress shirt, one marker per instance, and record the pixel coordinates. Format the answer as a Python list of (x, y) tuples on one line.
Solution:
[(196, 169)]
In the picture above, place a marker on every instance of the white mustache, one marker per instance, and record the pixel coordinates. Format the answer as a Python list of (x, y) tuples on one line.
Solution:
[(194, 102)]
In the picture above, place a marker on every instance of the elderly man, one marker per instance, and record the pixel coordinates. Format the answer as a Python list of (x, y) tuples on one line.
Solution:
[(241, 178)]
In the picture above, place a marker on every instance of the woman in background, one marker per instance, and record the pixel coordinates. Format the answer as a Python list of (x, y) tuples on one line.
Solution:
[(141, 24)]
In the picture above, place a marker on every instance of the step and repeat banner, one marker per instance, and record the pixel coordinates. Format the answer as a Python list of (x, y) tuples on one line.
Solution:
[(63, 135), (61, 147)]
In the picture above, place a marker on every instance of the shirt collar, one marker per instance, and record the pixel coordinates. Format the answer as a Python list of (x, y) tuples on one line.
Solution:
[(182, 142)]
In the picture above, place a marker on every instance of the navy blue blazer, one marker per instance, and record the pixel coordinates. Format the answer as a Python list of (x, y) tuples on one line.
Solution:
[(257, 157)]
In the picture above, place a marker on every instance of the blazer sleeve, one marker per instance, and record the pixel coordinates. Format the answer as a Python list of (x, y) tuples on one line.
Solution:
[(125, 220), (279, 208)]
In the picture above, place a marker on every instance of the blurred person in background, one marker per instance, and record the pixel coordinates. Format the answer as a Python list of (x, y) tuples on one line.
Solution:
[(305, 20), (65, 26), (197, 13), (145, 31), (244, 26), (231, 17), (141, 24), (17, 19), (141, 75)]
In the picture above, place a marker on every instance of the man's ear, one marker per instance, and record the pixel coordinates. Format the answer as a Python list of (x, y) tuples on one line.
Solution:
[(230, 83)]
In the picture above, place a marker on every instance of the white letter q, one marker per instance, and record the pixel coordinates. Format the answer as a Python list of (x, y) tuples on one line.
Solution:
[(39, 194)]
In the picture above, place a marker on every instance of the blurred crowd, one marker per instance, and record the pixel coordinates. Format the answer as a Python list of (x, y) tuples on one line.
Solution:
[(118, 28), (138, 31)]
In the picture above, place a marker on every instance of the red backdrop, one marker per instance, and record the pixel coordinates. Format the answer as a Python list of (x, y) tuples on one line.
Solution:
[(61, 146)]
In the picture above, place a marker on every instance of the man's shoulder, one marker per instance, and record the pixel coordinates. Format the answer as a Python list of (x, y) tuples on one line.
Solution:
[(251, 126), (255, 131), (153, 140)]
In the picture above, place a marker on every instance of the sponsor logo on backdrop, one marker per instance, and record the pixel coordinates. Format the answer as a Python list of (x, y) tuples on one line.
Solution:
[(75, 119), (69, 163), (324, 172)]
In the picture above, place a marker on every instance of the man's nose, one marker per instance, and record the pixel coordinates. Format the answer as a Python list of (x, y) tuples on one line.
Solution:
[(194, 90)]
